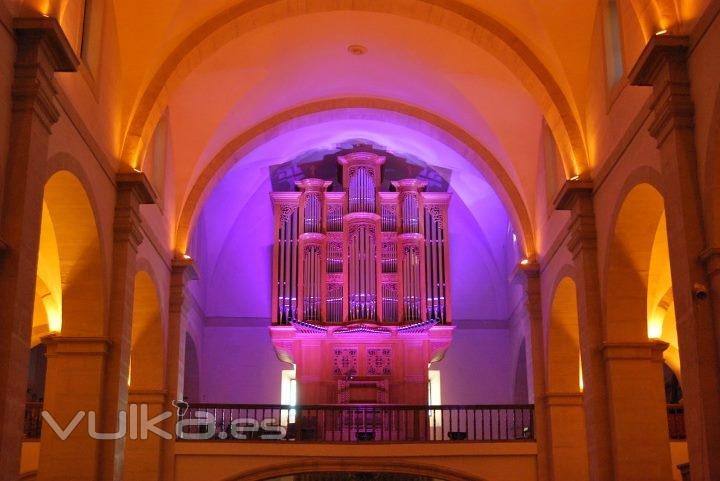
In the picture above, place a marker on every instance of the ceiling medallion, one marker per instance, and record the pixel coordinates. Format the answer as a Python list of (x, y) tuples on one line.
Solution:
[(357, 49)]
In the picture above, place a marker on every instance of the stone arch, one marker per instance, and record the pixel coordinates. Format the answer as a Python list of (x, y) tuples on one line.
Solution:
[(147, 353), (448, 133), (628, 264), (147, 374), (80, 255), (457, 17), (364, 465), (563, 340)]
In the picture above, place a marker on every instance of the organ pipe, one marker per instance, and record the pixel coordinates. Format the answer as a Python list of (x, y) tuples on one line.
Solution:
[(361, 255)]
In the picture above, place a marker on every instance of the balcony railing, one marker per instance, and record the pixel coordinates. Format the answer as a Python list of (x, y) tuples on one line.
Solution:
[(358, 423), (346, 423)]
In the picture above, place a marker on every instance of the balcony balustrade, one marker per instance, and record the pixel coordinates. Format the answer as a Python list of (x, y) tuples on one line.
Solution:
[(340, 423), (357, 422)]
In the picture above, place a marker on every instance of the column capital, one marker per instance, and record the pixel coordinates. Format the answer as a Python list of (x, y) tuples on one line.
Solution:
[(572, 193), (138, 185), (147, 396), (563, 398), (651, 350), (183, 271), (46, 33), (68, 345), (576, 196), (663, 66), (659, 51), (42, 50), (184, 267), (133, 190)]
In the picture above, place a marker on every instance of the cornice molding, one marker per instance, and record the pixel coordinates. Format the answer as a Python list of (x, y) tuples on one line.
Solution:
[(46, 32)]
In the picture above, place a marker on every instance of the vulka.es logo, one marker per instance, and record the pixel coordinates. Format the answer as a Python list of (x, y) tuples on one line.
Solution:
[(135, 423)]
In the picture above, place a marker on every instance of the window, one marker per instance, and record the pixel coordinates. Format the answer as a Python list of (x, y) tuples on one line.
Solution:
[(92, 34), (554, 175), (156, 156), (434, 397), (288, 395), (613, 44)]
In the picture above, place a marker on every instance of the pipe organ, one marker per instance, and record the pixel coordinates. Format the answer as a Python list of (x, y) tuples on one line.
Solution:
[(361, 255), (357, 275)]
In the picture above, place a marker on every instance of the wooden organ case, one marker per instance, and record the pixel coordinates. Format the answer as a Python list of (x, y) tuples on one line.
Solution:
[(361, 285)]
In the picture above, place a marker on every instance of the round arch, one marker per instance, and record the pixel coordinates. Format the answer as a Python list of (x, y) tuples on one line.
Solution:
[(453, 15), (147, 353), (563, 340), (365, 465), (628, 262), (435, 126), (79, 251)]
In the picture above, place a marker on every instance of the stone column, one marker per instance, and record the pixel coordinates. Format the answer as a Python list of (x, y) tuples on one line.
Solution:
[(182, 272), (638, 410), (73, 385), (663, 65), (577, 197), (133, 189), (42, 49), (625, 410), (143, 457), (566, 430), (529, 276)]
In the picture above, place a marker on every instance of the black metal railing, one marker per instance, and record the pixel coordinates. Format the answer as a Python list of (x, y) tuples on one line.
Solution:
[(358, 422), (33, 420), (676, 421)]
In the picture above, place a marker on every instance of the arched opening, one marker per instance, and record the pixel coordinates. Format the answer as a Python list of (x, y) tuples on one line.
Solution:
[(69, 282), (629, 264), (76, 346), (147, 354), (564, 399), (564, 372), (78, 246), (231, 245), (347, 109), (191, 377), (634, 361), (147, 378)]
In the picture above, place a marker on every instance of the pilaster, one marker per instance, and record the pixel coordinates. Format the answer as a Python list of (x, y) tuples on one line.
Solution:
[(75, 370), (663, 66), (577, 197), (182, 273), (528, 276), (143, 460), (41, 50), (566, 430), (133, 190)]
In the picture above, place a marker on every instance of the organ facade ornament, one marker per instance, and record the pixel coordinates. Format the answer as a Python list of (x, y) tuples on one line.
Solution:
[(354, 265)]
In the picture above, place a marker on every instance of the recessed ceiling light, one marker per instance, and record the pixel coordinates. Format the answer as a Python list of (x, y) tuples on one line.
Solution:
[(356, 49)]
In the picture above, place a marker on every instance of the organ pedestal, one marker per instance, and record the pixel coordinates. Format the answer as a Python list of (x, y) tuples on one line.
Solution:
[(361, 281)]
